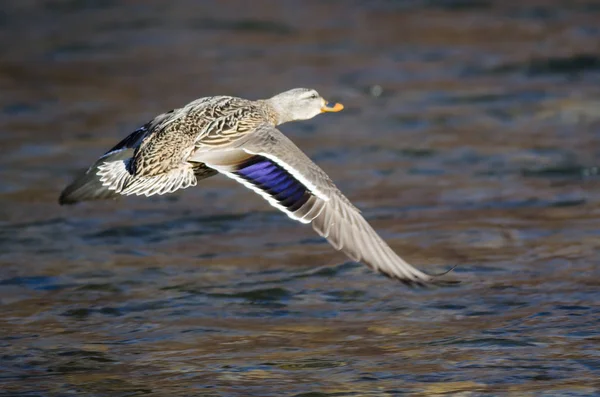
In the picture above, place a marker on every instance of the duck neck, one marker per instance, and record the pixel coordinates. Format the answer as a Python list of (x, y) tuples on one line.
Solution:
[(275, 115)]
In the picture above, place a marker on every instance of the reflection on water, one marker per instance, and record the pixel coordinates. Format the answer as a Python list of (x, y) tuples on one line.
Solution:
[(470, 137)]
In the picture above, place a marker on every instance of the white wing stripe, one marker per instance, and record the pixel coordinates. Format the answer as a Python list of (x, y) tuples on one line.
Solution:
[(309, 185)]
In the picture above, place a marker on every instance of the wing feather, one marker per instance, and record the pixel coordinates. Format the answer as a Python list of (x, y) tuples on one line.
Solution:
[(150, 160), (331, 214)]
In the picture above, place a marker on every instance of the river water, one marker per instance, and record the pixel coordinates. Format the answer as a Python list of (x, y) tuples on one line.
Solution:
[(470, 137)]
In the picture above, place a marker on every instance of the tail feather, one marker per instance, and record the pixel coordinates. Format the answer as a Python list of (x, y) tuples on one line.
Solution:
[(111, 177), (89, 186), (115, 174)]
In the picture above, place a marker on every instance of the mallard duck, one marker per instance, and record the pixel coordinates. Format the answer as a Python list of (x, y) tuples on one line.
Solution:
[(239, 138)]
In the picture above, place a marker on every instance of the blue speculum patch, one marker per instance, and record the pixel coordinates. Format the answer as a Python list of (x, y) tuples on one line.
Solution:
[(274, 180)]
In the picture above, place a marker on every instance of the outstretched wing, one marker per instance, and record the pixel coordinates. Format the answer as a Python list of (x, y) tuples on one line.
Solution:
[(270, 164)]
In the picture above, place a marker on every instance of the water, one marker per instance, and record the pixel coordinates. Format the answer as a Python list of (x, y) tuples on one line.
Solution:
[(470, 137)]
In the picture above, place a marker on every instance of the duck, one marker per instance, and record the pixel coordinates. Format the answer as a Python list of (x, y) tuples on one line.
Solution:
[(239, 138)]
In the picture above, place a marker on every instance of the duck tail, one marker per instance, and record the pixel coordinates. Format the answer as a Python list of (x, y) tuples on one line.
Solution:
[(89, 185)]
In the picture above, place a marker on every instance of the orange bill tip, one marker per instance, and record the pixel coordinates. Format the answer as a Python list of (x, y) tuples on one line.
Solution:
[(332, 107)]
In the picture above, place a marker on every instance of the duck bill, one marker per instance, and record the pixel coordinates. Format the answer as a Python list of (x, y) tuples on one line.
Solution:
[(332, 107)]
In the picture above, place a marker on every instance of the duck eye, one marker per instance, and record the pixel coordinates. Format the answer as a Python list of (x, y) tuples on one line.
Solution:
[(313, 96)]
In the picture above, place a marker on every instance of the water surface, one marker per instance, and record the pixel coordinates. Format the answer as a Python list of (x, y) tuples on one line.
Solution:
[(470, 137)]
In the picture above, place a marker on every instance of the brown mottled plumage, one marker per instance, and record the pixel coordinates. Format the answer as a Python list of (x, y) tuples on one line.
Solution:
[(239, 139)]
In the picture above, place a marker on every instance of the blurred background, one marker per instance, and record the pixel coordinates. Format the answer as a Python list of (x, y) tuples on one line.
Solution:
[(470, 137)]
